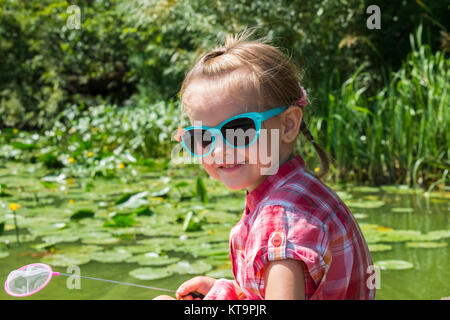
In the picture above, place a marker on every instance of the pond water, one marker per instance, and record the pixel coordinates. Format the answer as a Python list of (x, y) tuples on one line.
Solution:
[(151, 238)]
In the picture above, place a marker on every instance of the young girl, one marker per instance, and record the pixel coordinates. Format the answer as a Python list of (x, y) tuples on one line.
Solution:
[(296, 239)]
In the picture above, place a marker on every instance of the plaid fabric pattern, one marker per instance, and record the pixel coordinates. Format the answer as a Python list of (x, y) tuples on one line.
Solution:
[(292, 214)]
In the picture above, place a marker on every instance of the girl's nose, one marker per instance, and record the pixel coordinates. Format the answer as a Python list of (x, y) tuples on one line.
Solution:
[(222, 153)]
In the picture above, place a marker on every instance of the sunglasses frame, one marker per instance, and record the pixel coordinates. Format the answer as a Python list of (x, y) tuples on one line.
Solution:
[(257, 117)]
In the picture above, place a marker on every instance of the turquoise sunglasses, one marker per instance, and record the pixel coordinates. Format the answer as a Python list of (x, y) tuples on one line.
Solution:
[(245, 128)]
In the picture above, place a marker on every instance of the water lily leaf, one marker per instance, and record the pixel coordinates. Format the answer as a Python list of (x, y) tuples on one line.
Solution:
[(365, 204), (124, 198), (160, 193), (394, 265), (201, 190), (121, 221), (217, 260), (112, 256), (58, 238), (4, 254), (192, 222), (399, 235), (48, 184), (402, 210), (144, 211), (82, 249), (210, 252), (181, 184), (153, 259), (81, 214), (366, 189), (126, 231), (401, 189), (434, 235), (100, 241), (343, 195), (11, 238), (221, 273), (61, 178), (185, 267), (143, 248), (379, 247), (150, 273), (65, 259), (43, 246), (426, 245), (136, 200)]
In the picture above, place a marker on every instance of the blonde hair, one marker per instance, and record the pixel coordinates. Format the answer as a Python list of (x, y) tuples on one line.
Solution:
[(252, 66)]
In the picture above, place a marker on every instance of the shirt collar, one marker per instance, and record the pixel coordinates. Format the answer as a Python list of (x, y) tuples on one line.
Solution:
[(257, 194)]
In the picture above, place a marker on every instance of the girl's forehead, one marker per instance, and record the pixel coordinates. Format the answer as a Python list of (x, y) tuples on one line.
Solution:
[(212, 105)]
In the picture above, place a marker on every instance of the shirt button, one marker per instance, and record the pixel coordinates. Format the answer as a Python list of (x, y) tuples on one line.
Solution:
[(247, 211)]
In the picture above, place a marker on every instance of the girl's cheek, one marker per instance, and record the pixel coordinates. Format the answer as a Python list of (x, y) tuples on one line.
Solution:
[(212, 171)]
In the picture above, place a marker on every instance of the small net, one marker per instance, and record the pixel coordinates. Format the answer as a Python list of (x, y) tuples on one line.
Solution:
[(28, 279)]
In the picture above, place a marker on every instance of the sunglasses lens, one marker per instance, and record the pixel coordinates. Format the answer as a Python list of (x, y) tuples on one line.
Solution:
[(239, 132), (198, 141)]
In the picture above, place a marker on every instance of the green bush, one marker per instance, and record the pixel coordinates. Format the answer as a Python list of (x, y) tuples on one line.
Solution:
[(141, 49)]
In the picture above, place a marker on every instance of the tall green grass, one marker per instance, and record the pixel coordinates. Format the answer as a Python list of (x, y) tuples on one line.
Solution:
[(399, 135)]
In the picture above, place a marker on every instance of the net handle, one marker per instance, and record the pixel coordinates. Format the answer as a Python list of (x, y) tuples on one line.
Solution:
[(113, 281)]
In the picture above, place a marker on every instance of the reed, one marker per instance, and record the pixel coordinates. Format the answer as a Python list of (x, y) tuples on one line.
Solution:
[(398, 135)]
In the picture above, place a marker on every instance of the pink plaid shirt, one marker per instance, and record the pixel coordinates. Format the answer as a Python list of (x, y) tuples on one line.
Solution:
[(292, 214)]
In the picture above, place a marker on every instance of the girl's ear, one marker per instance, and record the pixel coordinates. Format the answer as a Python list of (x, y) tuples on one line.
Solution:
[(290, 124)]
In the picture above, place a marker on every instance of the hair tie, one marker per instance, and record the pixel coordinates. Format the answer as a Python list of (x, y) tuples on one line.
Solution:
[(302, 101)]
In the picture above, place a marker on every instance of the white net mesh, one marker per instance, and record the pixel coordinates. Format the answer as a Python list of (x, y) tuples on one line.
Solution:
[(27, 280)]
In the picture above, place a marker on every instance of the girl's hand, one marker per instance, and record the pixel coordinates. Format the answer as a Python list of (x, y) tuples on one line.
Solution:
[(163, 297), (200, 284)]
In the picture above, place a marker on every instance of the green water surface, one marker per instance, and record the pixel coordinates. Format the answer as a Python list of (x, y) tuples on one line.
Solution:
[(45, 210)]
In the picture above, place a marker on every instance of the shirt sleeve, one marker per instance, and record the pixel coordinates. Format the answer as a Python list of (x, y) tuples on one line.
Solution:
[(278, 234)]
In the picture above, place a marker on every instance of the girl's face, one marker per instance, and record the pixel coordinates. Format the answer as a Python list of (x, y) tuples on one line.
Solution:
[(237, 168)]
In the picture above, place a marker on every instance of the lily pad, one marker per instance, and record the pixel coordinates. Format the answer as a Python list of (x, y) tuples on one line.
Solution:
[(66, 259), (343, 195), (145, 248), (402, 210), (360, 215), (369, 204), (94, 234), (101, 240), (394, 265), (153, 259), (134, 201), (58, 238), (112, 256), (426, 245), (434, 235), (399, 235), (160, 193), (11, 238), (379, 247), (221, 273), (209, 252), (81, 214), (185, 267), (81, 249), (150, 273), (3, 254), (365, 189)]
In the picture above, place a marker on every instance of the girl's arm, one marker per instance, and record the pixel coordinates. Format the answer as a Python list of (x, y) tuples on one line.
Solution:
[(284, 280)]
